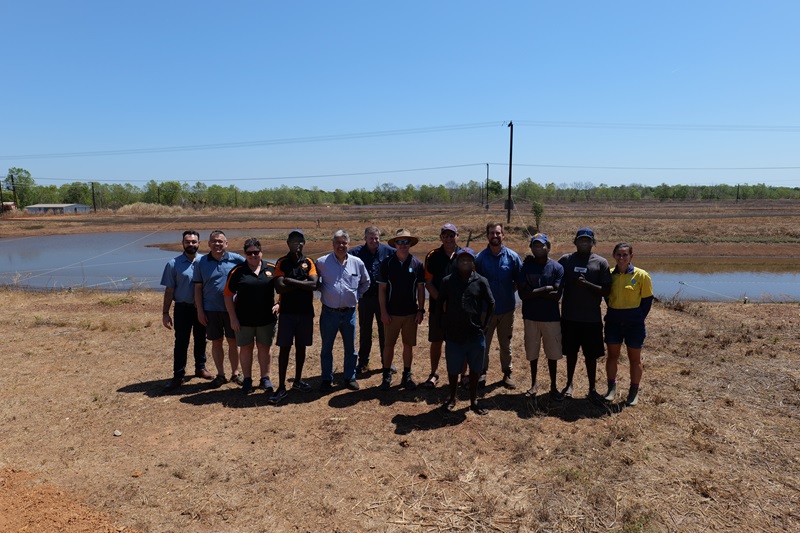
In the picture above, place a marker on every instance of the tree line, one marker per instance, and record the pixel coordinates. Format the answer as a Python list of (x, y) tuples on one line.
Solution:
[(20, 186)]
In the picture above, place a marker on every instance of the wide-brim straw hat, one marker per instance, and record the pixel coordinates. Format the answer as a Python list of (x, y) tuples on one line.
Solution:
[(403, 234)]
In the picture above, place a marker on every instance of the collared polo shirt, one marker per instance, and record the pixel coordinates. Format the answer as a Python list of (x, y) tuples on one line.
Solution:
[(255, 294), (502, 271), (298, 302), (464, 302), (373, 263), (213, 274), (628, 289), (438, 265), (177, 275), (342, 284), (533, 276), (402, 278)]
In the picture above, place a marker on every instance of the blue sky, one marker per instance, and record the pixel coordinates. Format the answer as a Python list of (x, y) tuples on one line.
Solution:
[(86, 78)]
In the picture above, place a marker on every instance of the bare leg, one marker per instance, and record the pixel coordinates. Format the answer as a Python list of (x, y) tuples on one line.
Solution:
[(246, 356), (233, 355), (264, 359), (219, 356)]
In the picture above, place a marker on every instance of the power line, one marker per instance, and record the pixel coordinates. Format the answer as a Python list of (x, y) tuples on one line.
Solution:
[(683, 127), (591, 167)]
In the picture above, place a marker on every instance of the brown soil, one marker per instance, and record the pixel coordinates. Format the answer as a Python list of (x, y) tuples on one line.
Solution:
[(713, 443)]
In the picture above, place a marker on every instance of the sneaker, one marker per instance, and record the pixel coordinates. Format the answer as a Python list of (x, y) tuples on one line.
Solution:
[(393, 369), (301, 386), (362, 368), (567, 392), (218, 381), (408, 383), (556, 396), (633, 397), (326, 385), (173, 385), (278, 396), (266, 385), (431, 382), (596, 397), (508, 382), (481, 381), (247, 385), (386, 382), (478, 409), (352, 384), (238, 378), (611, 394), (203, 374)]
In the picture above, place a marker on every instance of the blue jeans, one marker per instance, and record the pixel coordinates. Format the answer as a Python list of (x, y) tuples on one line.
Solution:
[(331, 322), (470, 352)]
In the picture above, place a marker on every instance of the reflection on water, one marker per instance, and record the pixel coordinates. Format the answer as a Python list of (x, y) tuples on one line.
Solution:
[(126, 260)]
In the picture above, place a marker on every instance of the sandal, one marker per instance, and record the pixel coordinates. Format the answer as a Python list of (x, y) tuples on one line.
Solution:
[(478, 410), (531, 393), (431, 382)]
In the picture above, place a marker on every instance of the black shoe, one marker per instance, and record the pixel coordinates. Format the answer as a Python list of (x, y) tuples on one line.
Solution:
[(301, 386), (394, 369), (482, 381), (556, 396), (633, 397), (326, 386), (278, 396), (408, 383), (173, 385), (362, 368), (266, 385), (218, 381), (352, 384), (247, 385), (386, 383)]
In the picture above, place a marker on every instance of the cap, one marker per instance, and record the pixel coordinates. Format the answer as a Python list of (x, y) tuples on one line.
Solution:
[(540, 237), (449, 227), (466, 251), (584, 232), (296, 231)]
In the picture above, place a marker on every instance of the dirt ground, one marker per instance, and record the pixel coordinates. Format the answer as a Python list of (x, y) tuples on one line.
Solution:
[(713, 443)]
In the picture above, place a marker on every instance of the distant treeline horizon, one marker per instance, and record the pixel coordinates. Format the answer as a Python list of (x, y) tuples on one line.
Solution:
[(176, 193)]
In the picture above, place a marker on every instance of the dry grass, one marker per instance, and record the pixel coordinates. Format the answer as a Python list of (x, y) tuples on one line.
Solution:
[(712, 445)]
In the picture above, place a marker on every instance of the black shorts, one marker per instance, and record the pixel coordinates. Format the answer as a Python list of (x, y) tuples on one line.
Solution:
[(295, 329), (586, 335), (219, 324), (435, 331)]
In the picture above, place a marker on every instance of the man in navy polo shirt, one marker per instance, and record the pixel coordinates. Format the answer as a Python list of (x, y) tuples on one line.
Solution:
[(372, 253), (501, 266), (401, 293), (178, 287), (210, 275)]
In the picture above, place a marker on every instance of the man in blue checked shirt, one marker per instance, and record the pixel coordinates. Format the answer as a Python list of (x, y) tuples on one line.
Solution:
[(343, 281)]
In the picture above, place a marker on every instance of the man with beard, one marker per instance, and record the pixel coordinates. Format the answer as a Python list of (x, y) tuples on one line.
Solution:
[(209, 279), (501, 266), (178, 288), (587, 279), (295, 280)]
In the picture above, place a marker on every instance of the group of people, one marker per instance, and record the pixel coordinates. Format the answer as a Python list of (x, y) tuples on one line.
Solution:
[(472, 297)]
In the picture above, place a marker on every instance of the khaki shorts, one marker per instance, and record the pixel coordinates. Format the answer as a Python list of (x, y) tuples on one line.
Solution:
[(261, 334), (542, 333), (406, 324)]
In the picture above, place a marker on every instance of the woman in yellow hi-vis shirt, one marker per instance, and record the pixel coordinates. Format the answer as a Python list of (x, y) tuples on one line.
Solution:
[(628, 305)]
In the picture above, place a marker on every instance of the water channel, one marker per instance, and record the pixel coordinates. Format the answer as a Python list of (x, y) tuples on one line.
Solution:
[(121, 261)]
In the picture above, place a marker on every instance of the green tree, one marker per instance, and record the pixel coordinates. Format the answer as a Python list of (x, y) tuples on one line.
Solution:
[(23, 185), (537, 208)]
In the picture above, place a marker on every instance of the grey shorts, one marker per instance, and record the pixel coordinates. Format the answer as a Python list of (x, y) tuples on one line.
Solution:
[(262, 334)]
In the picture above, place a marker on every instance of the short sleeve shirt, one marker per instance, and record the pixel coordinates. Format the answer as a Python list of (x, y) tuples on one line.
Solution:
[(178, 273), (255, 294), (438, 265), (502, 271), (373, 264), (533, 276), (402, 279), (213, 274), (296, 302), (628, 289), (579, 303)]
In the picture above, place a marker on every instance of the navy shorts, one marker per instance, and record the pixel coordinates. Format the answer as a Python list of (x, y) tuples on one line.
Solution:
[(219, 324), (586, 335), (295, 329), (631, 333), (471, 352)]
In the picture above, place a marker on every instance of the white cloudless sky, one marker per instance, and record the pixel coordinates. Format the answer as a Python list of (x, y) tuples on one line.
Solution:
[(264, 94)]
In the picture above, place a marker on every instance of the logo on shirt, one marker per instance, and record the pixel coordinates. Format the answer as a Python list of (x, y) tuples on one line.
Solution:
[(305, 266)]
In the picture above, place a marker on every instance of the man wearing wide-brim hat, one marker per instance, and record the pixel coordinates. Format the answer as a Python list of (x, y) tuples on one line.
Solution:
[(401, 294)]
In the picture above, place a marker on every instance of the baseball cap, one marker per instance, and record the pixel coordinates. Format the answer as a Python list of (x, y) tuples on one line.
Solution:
[(296, 232), (540, 237), (584, 232), (466, 251), (449, 227)]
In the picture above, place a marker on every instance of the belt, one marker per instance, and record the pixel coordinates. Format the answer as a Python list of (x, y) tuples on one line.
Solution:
[(183, 304), (339, 309)]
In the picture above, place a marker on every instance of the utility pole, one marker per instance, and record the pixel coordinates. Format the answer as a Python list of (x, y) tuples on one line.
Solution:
[(2, 202), (14, 189), (737, 193), (487, 185), (94, 203), (510, 155)]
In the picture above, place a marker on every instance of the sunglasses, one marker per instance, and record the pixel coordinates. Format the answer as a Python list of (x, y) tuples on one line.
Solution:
[(402, 242), (253, 252)]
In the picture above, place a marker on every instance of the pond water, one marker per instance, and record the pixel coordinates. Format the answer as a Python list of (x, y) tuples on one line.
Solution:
[(121, 261)]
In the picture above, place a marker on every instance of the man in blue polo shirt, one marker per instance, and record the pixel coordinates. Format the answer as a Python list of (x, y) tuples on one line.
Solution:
[(501, 266), (210, 275), (178, 288), (372, 253)]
